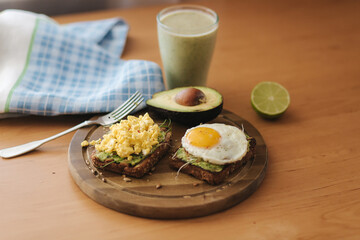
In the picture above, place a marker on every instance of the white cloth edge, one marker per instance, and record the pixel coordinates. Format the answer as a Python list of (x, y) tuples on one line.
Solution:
[(16, 30)]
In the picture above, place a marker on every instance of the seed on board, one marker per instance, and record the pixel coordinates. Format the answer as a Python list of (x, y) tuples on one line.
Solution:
[(195, 184), (126, 179), (158, 186)]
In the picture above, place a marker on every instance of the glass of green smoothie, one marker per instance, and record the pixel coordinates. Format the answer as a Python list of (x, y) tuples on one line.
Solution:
[(186, 35)]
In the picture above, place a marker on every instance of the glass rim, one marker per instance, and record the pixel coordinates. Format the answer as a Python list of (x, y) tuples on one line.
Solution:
[(187, 7)]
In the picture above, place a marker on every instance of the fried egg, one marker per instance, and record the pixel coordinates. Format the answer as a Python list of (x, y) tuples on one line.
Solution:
[(216, 143)]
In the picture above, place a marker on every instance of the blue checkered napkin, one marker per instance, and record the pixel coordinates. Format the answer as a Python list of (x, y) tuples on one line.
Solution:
[(109, 33), (76, 68)]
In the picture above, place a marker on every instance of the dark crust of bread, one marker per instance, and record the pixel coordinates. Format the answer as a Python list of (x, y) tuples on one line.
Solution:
[(140, 169), (214, 178)]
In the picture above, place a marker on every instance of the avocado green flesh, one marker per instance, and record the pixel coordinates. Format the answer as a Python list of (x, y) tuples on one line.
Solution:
[(166, 100), (103, 156), (196, 161)]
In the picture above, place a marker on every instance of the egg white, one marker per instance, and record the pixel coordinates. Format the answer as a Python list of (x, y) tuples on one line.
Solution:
[(232, 145)]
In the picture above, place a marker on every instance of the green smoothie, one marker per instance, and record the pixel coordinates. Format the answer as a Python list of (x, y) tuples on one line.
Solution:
[(186, 40)]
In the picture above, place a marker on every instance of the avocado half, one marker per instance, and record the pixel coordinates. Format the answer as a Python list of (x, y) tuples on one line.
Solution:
[(164, 104)]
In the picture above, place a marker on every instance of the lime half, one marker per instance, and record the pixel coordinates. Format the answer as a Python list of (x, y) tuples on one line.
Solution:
[(270, 99)]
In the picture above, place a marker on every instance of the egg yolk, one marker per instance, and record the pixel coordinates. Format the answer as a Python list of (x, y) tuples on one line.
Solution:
[(203, 137)]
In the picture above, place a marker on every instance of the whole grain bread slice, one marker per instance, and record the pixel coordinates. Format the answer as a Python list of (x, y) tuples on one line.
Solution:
[(140, 169), (214, 178)]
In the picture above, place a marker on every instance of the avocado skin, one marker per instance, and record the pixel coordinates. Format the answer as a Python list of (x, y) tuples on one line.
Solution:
[(164, 104), (188, 118)]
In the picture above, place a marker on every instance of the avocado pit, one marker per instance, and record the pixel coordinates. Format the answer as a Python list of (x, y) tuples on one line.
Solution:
[(190, 97)]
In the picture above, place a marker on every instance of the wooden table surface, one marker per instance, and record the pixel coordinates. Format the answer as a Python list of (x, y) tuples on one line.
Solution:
[(312, 186)]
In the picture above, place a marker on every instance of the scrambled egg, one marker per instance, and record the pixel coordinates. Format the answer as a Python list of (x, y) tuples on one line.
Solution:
[(84, 143), (131, 136)]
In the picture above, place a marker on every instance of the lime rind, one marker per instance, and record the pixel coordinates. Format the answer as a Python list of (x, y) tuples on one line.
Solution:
[(270, 99)]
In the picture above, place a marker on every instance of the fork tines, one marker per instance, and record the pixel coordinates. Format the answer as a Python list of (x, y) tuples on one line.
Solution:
[(127, 106)]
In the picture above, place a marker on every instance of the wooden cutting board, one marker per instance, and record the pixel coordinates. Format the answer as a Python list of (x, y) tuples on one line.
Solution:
[(163, 194)]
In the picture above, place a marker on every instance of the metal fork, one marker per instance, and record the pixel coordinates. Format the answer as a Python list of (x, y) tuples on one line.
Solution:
[(107, 119)]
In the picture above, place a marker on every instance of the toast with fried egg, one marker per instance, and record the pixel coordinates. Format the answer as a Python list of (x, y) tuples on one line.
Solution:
[(213, 151)]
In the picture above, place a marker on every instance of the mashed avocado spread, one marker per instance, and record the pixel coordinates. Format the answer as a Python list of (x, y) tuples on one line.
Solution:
[(196, 161)]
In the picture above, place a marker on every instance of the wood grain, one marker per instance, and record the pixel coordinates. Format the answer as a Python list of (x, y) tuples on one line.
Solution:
[(311, 189), (178, 197)]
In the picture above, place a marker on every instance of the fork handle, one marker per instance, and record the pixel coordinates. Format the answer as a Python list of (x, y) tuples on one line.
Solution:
[(27, 147)]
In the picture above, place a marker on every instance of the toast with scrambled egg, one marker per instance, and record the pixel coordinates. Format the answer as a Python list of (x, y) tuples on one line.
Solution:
[(133, 146)]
